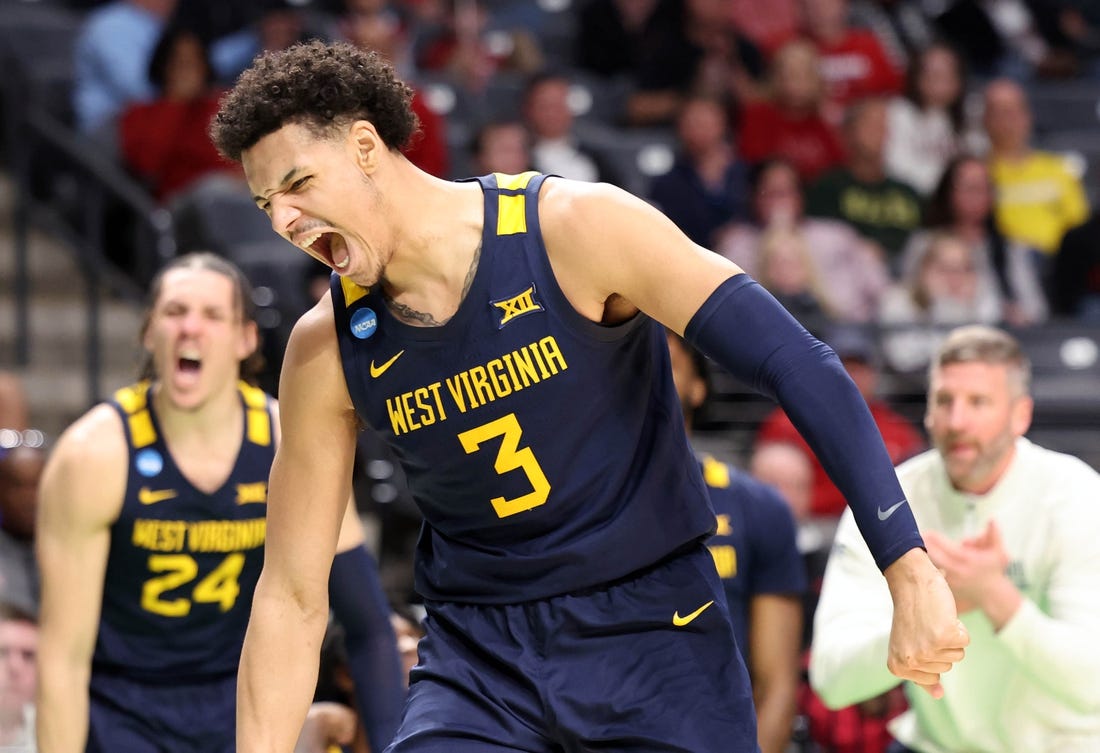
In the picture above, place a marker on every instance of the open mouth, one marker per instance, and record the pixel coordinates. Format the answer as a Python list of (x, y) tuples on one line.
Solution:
[(331, 248), (189, 365)]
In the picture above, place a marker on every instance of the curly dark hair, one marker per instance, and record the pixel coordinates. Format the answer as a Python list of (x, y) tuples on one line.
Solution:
[(316, 84)]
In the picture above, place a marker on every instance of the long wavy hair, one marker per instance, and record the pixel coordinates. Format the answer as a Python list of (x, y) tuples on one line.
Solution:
[(253, 365)]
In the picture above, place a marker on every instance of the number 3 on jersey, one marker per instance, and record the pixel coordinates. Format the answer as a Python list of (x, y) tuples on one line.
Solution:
[(219, 587), (509, 458)]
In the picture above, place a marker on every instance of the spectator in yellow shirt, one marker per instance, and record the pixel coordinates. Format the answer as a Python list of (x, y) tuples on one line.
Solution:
[(1039, 197)]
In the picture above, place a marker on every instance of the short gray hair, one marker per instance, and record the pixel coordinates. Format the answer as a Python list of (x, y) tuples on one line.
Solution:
[(978, 343)]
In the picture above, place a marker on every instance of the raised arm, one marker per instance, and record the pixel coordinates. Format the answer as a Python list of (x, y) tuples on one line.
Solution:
[(308, 491), (80, 497), (612, 254)]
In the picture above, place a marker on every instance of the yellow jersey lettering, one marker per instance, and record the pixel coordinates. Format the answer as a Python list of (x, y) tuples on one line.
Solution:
[(410, 419), (397, 417), (434, 388), (454, 386), (507, 359), (555, 360), (159, 535), (724, 527), (725, 560), (219, 587), (497, 378), (526, 366), (471, 396), (544, 373), (476, 386), (427, 409), (254, 493), (510, 457), (524, 303), (226, 535), (479, 378)]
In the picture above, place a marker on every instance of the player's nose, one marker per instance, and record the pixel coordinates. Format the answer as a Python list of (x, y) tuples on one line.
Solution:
[(283, 215)]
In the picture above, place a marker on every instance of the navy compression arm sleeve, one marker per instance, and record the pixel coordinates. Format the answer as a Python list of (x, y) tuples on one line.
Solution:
[(744, 329), (360, 606)]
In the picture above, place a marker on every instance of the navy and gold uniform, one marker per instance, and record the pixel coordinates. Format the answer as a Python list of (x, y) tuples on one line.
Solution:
[(754, 548), (561, 556), (181, 572)]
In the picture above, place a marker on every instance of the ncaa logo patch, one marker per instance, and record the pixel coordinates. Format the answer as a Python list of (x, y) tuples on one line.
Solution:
[(364, 323), (149, 463), (516, 306)]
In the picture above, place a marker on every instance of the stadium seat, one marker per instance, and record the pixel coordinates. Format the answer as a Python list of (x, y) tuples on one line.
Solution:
[(216, 217), (1069, 105), (36, 47)]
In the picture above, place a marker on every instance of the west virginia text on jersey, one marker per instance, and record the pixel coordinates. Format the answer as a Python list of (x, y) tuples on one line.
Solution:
[(476, 386), (546, 451), (183, 563)]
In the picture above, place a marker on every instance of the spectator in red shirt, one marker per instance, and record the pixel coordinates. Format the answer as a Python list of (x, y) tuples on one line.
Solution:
[(165, 142), (853, 61), (790, 124), (857, 353)]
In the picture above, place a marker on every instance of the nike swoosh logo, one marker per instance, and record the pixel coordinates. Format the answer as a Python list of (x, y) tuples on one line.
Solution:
[(147, 496), (679, 621), (885, 514), (377, 371)]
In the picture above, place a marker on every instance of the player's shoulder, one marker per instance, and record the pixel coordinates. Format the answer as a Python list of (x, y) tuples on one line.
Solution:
[(314, 333), (97, 435), (572, 204), (86, 473)]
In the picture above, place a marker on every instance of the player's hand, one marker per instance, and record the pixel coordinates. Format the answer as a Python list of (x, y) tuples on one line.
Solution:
[(926, 638)]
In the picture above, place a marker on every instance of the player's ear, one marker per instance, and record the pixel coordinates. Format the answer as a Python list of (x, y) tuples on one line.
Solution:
[(249, 340), (367, 145)]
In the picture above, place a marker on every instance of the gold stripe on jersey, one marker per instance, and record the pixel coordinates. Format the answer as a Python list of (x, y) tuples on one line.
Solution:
[(511, 214), (352, 291), (514, 182), (512, 208), (259, 421), (134, 401)]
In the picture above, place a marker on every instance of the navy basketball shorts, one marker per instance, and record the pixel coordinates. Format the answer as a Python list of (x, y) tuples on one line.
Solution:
[(137, 717), (648, 663)]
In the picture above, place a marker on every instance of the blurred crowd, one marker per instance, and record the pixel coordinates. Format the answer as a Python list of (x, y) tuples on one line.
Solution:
[(869, 161)]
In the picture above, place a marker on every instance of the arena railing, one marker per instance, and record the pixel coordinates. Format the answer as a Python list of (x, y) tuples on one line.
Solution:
[(65, 185)]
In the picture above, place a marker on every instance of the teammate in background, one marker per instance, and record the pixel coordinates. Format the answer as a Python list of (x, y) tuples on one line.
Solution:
[(1014, 527), (760, 566), (18, 649), (151, 538), (492, 331)]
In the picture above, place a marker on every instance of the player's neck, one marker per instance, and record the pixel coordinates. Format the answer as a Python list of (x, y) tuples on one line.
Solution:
[(437, 251), (213, 419)]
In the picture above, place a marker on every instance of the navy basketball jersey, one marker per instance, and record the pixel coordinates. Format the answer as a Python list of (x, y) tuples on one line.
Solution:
[(754, 547), (183, 564), (547, 452)]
